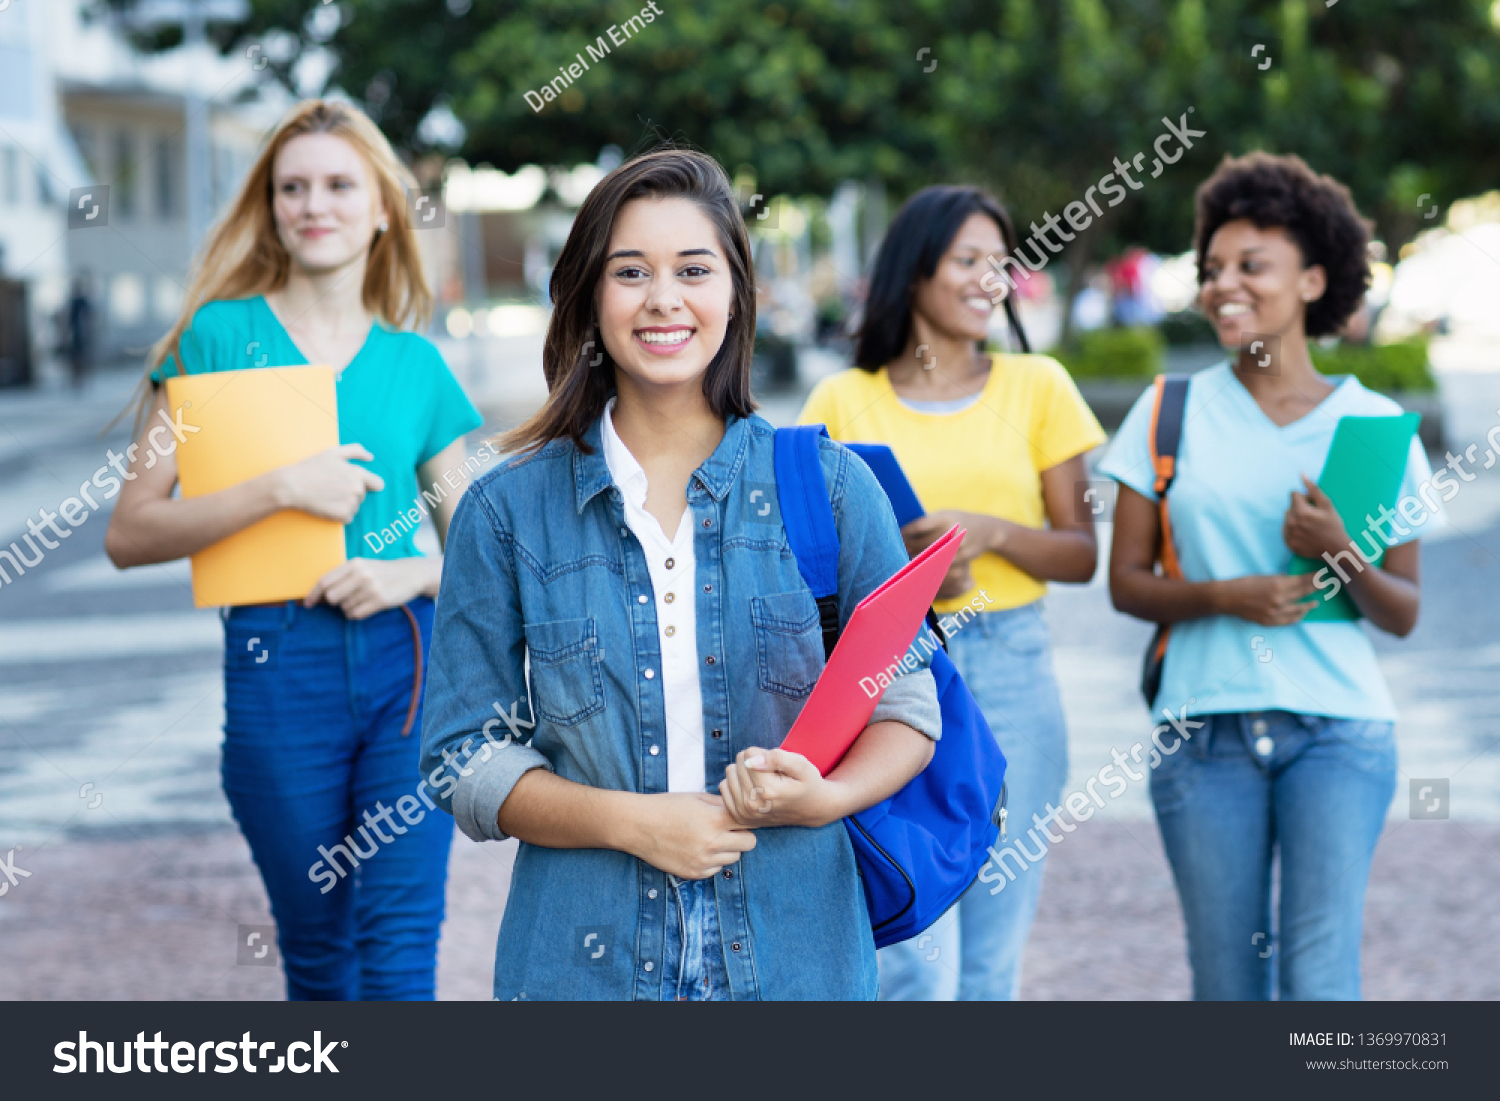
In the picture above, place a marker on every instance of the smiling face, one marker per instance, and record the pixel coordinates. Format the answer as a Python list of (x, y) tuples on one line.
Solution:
[(952, 302), (665, 296), (325, 202), (1253, 281)]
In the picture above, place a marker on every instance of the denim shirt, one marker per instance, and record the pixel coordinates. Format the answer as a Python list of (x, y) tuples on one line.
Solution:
[(540, 567)]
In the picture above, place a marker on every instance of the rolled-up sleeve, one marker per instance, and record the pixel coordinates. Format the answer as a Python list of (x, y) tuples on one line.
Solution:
[(912, 699), (477, 719), (479, 796)]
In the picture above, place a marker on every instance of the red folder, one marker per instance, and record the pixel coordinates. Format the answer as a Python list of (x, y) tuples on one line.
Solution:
[(877, 637)]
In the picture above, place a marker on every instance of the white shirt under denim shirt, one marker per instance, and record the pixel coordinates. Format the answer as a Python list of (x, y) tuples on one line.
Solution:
[(670, 562), (541, 564)]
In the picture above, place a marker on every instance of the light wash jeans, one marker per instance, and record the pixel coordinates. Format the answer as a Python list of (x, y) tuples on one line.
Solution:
[(693, 955), (973, 952), (1253, 785)]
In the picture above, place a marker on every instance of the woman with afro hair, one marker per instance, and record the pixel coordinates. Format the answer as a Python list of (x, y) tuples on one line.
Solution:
[(1281, 741)]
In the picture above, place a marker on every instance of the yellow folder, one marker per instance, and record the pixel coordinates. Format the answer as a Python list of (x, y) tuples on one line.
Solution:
[(250, 422)]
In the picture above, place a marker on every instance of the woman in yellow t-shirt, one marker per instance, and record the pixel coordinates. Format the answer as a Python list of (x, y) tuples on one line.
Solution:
[(995, 442)]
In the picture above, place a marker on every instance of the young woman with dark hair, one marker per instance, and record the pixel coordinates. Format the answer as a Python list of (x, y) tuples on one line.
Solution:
[(995, 442), (1295, 755), (624, 556), (317, 262)]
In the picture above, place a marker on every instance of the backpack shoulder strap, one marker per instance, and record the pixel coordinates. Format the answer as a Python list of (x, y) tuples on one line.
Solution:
[(807, 515), (1167, 415)]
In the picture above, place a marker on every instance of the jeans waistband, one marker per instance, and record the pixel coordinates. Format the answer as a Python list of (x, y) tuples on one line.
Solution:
[(292, 610)]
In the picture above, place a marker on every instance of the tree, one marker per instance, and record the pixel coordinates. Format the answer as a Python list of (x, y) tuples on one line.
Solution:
[(1034, 98)]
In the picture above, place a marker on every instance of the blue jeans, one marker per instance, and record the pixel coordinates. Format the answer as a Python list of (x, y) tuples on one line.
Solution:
[(325, 787), (693, 968), (1253, 785), (973, 952)]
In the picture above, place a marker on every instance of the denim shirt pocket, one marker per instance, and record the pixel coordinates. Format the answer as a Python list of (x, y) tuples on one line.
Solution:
[(567, 687), (788, 642)]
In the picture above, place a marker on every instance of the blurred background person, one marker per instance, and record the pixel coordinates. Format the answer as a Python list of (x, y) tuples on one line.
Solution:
[(1296, 757), (995, 442), (79, 330), (316, 263)]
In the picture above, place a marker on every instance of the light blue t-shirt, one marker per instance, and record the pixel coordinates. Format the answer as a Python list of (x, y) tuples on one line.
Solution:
[(1236, 471)]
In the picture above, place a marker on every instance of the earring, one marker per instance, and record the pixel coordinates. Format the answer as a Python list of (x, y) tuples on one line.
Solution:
[(383, 227)]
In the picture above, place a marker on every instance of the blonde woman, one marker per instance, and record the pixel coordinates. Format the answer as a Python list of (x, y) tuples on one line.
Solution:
[(316, 262)]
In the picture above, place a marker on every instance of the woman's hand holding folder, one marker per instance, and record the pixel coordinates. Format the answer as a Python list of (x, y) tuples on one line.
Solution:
[(328, 485)]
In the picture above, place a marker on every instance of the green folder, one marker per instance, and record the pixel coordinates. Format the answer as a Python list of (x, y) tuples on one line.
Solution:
[(1363, 471)]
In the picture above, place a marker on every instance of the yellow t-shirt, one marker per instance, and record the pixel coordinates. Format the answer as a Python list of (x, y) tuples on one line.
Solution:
[(987, 458)]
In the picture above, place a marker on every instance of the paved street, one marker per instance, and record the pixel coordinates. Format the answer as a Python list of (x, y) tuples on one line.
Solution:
[(111, 707)]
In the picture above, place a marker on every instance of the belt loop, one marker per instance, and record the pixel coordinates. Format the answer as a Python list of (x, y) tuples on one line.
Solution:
[(289, 614)]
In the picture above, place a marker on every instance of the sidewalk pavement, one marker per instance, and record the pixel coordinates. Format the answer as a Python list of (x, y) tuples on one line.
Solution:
[(110, 716)]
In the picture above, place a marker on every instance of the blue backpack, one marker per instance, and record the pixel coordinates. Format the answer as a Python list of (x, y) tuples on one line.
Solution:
[(919, 850)]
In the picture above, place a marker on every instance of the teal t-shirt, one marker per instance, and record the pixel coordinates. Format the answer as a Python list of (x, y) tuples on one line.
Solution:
[(1236, 470), (396, 397)]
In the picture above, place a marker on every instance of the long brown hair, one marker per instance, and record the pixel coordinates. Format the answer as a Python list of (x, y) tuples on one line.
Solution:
[(244, 257), (578, 386)]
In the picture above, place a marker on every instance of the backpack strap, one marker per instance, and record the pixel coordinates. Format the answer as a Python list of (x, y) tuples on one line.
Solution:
[(1167, 415), (807, 515)]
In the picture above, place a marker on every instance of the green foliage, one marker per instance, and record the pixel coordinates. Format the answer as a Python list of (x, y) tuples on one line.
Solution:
[(1400, 99), (1388, 367), (1187, 327), (1114, 353)]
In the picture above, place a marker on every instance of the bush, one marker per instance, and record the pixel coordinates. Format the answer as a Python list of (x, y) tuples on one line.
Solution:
[(1386, 367), (1114, 353), (1187, 327)]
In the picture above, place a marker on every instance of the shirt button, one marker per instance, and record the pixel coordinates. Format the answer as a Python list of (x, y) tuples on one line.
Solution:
[(708, 588), (718, 733), (650, 673), (708, 523), (728, 874), (1258, 727), (655, 750), (711, 659), (650, 966), (651, 893), (671, 562), (735, 946), (670, 597), (641, 599), (1263, 746), (671, 631)]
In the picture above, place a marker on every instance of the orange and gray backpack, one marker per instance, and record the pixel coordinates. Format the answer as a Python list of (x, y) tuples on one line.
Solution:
[(1165, 440)]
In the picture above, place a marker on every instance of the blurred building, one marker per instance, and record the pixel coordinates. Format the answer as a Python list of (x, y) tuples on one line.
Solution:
[(127, 115), (38, 164)]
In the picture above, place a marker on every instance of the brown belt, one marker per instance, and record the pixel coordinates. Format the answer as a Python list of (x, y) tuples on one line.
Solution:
[(416, 677)]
